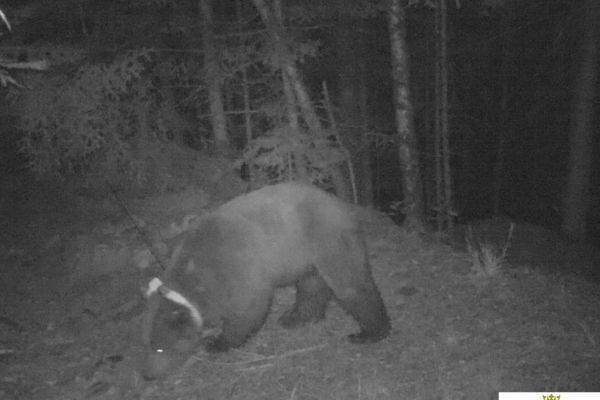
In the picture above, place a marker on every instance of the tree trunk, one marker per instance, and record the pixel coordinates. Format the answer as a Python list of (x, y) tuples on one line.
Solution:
[(407, 150), (445, 178), (213, 80), (506, 124), (351, 105), (365, 156), (288, 65), (289, 68), (439, 176), (428, 117), (444, 209), (577, 198)]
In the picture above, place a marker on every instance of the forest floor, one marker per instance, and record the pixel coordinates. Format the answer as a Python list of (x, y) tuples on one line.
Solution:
[(71, 270)]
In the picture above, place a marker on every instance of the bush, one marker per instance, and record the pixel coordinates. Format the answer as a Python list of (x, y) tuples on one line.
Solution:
[(82, 123), (286, 153)]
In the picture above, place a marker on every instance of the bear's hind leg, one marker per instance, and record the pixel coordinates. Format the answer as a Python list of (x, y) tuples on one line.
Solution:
[(312, 297), (344, 265), (364, 303)]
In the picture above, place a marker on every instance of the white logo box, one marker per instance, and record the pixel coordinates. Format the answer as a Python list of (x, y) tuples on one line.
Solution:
[(549, 396)]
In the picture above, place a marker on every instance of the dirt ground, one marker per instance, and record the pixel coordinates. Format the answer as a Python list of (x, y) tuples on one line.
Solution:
[(71, 269)]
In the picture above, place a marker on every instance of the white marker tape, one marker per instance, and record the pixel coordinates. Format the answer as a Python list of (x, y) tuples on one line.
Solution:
[(156, 285), (153, 286)]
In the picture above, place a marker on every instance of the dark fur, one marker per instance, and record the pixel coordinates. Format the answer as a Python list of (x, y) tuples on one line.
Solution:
[(281, 235)]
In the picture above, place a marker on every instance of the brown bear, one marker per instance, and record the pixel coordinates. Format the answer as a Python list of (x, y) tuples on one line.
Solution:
[(220, 283)]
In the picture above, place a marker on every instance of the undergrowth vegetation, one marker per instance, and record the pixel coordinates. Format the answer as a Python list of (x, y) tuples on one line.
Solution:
[(129, 121), (82, 122)]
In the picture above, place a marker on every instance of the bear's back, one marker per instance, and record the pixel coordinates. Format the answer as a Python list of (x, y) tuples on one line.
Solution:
[(289, 203), (285, 225)]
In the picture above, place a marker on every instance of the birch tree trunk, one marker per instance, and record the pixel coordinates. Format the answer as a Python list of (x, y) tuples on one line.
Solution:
[(269, 16), (577, 198), (288, 65), (407, 143)]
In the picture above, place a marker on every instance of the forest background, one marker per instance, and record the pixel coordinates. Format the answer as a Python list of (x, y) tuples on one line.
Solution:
[(499, 100)]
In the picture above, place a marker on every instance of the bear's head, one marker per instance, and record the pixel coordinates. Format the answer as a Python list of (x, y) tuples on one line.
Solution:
[(172, 328)]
